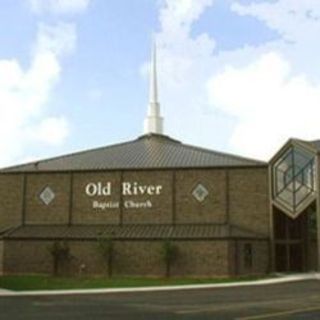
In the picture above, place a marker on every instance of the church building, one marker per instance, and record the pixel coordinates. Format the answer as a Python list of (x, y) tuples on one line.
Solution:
[(162, 205)]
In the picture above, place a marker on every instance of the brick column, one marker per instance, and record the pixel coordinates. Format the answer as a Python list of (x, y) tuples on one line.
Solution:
[(317, 167), (271, 222)]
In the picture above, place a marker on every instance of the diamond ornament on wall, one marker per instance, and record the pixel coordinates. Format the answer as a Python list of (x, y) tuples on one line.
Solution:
[(47, 196), (200, 192)]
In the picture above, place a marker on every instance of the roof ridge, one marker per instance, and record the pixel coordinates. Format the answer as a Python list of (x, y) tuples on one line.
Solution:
[(160, 137)]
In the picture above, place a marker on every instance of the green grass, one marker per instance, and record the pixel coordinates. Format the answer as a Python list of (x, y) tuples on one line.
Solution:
[(39, 282)]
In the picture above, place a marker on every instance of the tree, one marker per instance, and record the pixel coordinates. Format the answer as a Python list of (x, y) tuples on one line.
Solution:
[(105, 247), (169, 255), (60, 252)]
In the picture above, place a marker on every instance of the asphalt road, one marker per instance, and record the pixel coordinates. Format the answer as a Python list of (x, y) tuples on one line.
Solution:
[(295, 300)]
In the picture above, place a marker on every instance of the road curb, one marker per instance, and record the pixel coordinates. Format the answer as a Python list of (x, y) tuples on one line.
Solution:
[(278, 280)]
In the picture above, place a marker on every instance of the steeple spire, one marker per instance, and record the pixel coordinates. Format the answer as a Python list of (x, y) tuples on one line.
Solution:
[(153, 122)]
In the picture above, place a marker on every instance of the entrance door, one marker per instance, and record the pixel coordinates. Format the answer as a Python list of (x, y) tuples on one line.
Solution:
[(290, 242)]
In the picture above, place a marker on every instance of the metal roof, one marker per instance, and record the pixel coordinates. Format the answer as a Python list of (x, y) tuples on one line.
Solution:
[(150, 151), (129, 232), (313, 145), (316, 144)]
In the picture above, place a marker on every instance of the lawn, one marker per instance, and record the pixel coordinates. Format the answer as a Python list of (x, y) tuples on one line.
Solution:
[(41, 282)]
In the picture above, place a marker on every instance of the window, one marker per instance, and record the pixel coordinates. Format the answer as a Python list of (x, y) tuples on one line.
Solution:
[(293, 180), (200, 192)]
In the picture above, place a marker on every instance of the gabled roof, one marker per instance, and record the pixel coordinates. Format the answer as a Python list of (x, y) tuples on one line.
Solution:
[(150, 151)]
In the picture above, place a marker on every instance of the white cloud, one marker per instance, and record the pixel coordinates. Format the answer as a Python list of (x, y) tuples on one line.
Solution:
[(298, 23), (180, 14), (59, 6), (51, 131), (269, 102), (184, 66), (24, 93), (59, 39), (291, 18), (249, 100)]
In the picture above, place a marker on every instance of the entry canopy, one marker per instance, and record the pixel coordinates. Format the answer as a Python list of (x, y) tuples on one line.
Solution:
[(294, 176)]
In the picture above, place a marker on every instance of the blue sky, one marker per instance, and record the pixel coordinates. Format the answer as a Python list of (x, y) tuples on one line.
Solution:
[(234, 75)]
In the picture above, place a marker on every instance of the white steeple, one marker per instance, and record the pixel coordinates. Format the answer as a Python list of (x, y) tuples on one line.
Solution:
[(153, 123)]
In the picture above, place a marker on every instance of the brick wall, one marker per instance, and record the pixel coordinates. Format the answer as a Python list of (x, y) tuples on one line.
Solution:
[(57, 212), (83, 211), (11, 191), (27, 257), (213, 208), (131, 258), (248, 199), (201, 258), (139, 258), (242, 264), (238, 196), (1, 257), (161, 210)]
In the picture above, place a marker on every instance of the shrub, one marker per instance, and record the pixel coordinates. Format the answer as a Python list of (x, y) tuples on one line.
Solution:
[(169, 255), (105, 247), (60, 252)]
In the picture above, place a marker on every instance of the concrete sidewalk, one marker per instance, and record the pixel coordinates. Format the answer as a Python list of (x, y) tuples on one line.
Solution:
[(277, 280), (4, 292)]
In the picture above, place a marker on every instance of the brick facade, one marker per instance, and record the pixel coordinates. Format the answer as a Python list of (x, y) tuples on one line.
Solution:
[(36, 212), (11, 203), (256, 261), (82, 211), (248, 199), (236, 196), (1, 257), (136, 258)]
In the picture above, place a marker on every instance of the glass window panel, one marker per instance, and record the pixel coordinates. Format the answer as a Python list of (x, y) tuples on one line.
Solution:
[(309, 174), (281, 258), (293, 176), (279, 181), (287, 197), (295, 228), (284, 162), (299, 179), (296, 257), (288, 176), (280, 226), (312, 223), (301, 158), (301, 194)]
